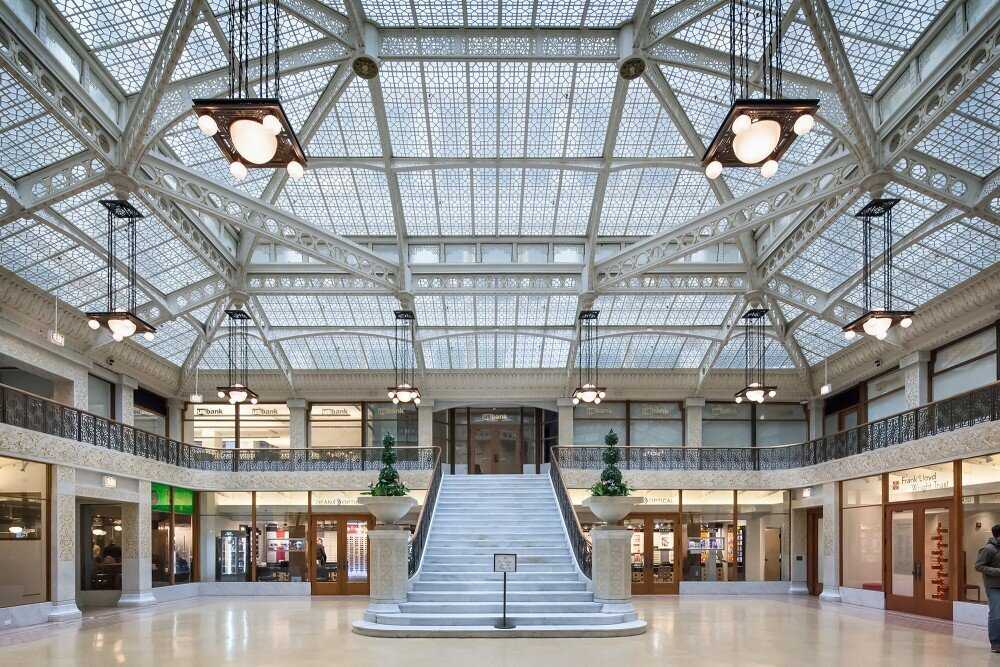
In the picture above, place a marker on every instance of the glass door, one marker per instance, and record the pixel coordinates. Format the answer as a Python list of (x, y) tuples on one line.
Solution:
[(640, 578), (654, 550), (918, 561), (338, 547), (495, 442)]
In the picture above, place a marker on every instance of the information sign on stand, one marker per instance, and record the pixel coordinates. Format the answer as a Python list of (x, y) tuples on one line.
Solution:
[(504, 563)]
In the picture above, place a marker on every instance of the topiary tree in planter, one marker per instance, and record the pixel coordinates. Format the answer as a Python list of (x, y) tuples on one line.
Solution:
[(388, 483), (611, 483)]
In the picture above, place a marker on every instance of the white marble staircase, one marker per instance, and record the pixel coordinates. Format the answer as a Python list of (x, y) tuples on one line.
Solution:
[(455, 593)]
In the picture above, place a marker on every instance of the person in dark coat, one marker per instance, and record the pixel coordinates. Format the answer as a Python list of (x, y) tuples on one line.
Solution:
[(988, 563)]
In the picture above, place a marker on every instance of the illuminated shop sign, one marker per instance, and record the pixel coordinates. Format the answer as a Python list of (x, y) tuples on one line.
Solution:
[(913, 482)]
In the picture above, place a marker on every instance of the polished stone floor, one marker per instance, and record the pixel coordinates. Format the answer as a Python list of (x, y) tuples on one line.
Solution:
[(299, 632)]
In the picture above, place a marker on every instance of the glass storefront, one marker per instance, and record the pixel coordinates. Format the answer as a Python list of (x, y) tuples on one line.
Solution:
[(980, 512), (763, 535), (335, 425), (727, 425), (933, 481), (24, 529), (398, 420), (264, 426), (713, 546), (225, 426), (592, 423), (655, 424), (280, 549), (173, 532), (862, 533), (102, 536), (226, 520)]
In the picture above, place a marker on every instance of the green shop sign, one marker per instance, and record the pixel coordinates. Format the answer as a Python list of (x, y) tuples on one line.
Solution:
[(183, 499)]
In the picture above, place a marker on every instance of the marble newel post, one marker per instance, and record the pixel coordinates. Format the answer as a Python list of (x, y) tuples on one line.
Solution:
[(388, 569), (137, 557), (63, 545), (611, 568)]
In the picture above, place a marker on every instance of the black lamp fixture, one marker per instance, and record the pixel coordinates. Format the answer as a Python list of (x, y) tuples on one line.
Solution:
[(250, 126), (878, 322), (403, 360), (238, 391), (588, 389), (120, 319), (757, 132), (755, 368)]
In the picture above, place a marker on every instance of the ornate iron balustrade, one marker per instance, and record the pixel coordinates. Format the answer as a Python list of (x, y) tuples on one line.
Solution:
[(415, 548), (19, 408), (972, 407), (581, 545)]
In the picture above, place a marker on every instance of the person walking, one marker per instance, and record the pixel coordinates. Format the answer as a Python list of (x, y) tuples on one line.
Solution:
[(988, 563)]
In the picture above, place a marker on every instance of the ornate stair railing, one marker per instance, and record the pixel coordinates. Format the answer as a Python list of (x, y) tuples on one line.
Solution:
[(972, 407), (26, 410), (581, 545), (415, 548)]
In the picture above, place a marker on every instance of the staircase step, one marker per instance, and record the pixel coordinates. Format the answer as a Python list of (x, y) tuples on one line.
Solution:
[(496, 607), (491, 596), (518, 619), (540, 575), (486, 586)]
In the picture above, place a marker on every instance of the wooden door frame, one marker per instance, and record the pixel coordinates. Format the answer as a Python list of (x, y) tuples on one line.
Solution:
[(918, 604), (814, 515), (341, 586), (648, 586)]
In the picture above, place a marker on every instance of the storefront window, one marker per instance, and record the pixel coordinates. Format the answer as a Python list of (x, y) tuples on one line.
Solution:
[(710, 537), (656, 424), (398, 420), (264, 426), (965, 365), (886, 396), (591, 423), (100, 395), (980, 512), (335, 425), (23, 531), (172, 535), (280, 549), (148, 421), (212, 425), (183, 504), (102, 535), (726, 425), (226, 519), (780, 424), (763, 525), (862, 538), (933, 481)]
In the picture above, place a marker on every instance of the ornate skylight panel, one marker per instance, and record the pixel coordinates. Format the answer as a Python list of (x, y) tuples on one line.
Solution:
[(352, 202), (664, 310), (969, 137), (298, 354), (466, 310), (733, 356), (499, 13), (31, 138), (447, 108), (646, 129), (704, 98), (202, 53), (301, 90), (416, 191), (216, 356), (789, 311), (819, 339), (200, 153), (402, 89), (350, 129), (328, 310), (174, 340), (593, 90), (712, 31), (651, 351), (31, 244), (99, 282), (548, 108), (640, 202), (799, 53), (340, 351)]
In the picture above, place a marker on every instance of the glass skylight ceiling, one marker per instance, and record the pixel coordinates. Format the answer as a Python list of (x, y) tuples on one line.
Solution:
[(503, 151), (734, 356)]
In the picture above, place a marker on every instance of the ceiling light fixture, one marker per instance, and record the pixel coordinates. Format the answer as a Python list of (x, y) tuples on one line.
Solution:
[(404, 360), (237, 391), (196, 397), (757, 132), (878, 322), (121, 322), (754, 366), (588, 390), (827, 387), (253, 131)]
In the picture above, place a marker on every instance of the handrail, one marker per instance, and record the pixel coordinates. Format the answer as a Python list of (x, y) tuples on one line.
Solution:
[(972, 407), (581, 545), (27, 410), (415, 547)]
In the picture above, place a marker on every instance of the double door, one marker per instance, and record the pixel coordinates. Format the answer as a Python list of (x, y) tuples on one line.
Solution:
[(919, 573), (338, 554), (655, 543)]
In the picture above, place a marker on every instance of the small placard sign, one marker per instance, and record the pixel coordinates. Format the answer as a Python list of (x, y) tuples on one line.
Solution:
[(505, 562)]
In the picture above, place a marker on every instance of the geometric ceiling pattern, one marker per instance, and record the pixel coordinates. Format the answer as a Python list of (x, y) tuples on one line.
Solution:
[(499, 167)]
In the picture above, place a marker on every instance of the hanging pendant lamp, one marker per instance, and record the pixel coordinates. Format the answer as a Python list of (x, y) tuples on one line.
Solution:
[(238, 390), (404, 362), (250, 126), (588, 389), (120, 319), (755, 368), (877, 322), (757, 132)]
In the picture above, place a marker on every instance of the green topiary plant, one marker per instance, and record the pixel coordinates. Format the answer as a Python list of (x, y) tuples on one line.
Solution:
[(388, 483), (611, 483)]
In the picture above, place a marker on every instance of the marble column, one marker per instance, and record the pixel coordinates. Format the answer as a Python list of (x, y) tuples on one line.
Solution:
[(611, 568), (425, 422), (298, 423), (565, 407), (815, 418), (63, 546), (74, 390), (694, 408), (388, 569), (175, 419), (916, 378), (125, 399), (137, 556), (831, 542)]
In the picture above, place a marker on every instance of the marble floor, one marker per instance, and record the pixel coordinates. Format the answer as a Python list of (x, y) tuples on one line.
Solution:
[(299, 632)]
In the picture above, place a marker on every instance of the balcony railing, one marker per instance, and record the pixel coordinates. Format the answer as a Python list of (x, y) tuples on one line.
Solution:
[(19, 408), (972, 407)]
